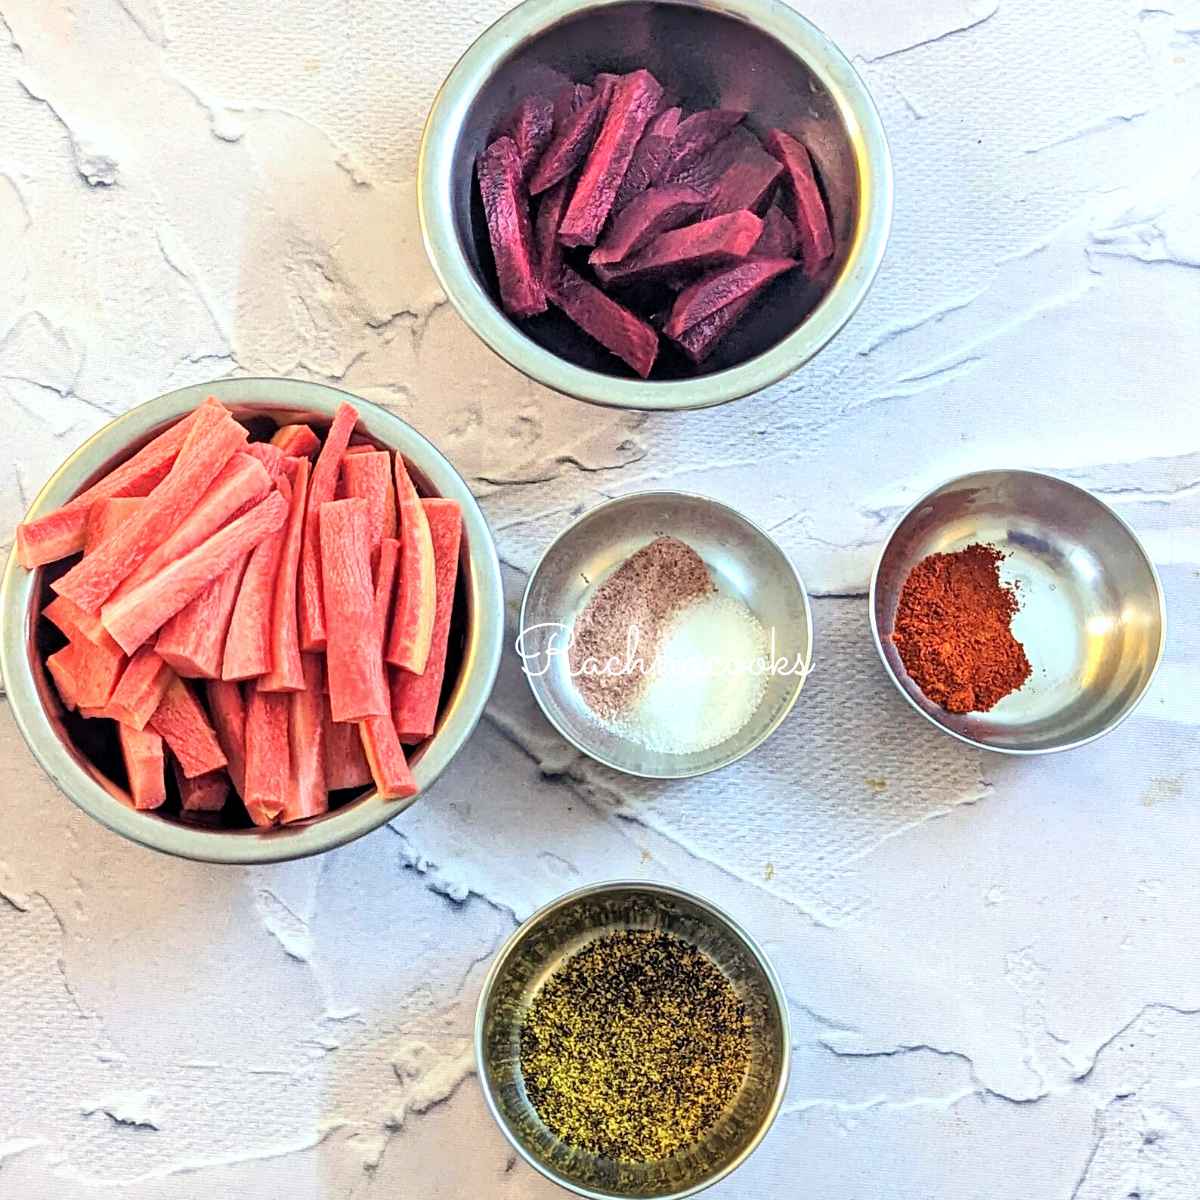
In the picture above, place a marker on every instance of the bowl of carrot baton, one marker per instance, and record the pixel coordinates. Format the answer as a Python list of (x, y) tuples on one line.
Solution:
[(662, 205), (250, 620)]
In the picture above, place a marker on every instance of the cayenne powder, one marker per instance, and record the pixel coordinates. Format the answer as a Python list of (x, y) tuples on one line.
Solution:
[(953, 630)]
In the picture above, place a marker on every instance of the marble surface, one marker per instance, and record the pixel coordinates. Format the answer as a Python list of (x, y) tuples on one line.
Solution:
[(993, 965)]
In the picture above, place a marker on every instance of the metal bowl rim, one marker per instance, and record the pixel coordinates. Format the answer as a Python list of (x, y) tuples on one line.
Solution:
[(235, 847), (435, 164), (532, 923), (780, 717), (1017, 751)]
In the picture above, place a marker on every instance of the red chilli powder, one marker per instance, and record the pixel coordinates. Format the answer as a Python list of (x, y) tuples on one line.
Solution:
[(953, 630), (642, 594)]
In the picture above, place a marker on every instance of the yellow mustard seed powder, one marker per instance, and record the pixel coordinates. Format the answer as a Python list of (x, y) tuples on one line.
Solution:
[(635, 1046)]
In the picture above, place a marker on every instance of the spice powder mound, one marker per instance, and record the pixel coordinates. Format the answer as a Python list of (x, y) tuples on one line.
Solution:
[(635, 1046), (641, 595), (953, 630)]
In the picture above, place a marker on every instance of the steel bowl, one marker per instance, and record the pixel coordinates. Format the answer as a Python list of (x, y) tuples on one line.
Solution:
[(539, 947), (1091, 614), (758, 55), (745, 563), (78, 771)]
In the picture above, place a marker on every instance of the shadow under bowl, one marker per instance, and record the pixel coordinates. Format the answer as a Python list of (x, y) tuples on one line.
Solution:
[(1091, 615), (541, 945), (82, 757), (745, 563), (755, 55)]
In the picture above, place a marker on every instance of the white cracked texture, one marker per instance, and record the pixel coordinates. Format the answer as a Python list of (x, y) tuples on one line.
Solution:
[(992, 965)]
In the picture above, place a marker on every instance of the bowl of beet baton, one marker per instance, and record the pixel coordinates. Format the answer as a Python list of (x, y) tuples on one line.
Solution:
[(1017, 612), (250, 620), (659, 206)]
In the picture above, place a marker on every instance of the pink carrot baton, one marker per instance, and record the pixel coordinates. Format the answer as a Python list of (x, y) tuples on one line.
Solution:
[(242, 483), (296, 441), (346, 764), (416, 596), (321, 488), (307, 794), (229, 721), (204, 793), (180, 722), (287, 672), (248, 650), (368, 476), (357, 686), (62, 531), (143, 611), (145, 766), (389, 767), (212, 441), (140, 689), (415, 698), (268, 756), (192, 642)]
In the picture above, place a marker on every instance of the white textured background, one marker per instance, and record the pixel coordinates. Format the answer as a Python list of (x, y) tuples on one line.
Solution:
[(994, 966)]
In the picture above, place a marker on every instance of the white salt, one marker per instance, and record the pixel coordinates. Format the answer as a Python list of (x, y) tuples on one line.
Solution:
[(707, 679)]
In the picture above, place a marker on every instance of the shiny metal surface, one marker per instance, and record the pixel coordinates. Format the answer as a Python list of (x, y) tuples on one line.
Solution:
[(35, 705), (744, 562), (1091, 619), (549, 937), (759, 55)]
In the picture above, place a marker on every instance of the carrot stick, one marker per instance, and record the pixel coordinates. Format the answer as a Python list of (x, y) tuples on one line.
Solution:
[(180, 722), (229, 720), (368, 476), (357, 687), (142, 751), (287, 671), (60, 671), (321, 488), (415, 698), (241, 483), (307, 794), (193, 640), (416, 598), (106, 515), (248, 642), (62, 532), (88, 672), (140, 689), (296, 440), (268, 757), (143, 611), (385, 755), (79, 626), (270, 456), (204, 793), (213, 439), (346, 765)]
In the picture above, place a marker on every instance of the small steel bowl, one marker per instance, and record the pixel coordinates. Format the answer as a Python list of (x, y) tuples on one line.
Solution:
[(549, 938), (1091, 614), (78, 771), (745, 563), (757, 55)]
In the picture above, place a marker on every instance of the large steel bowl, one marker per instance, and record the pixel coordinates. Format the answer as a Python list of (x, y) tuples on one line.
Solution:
[(81, 773)]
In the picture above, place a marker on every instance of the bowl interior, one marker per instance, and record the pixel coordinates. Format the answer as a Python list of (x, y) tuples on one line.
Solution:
[(541, 946), (745, 564), (1090, 615), (93, 745), (704, 58)]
